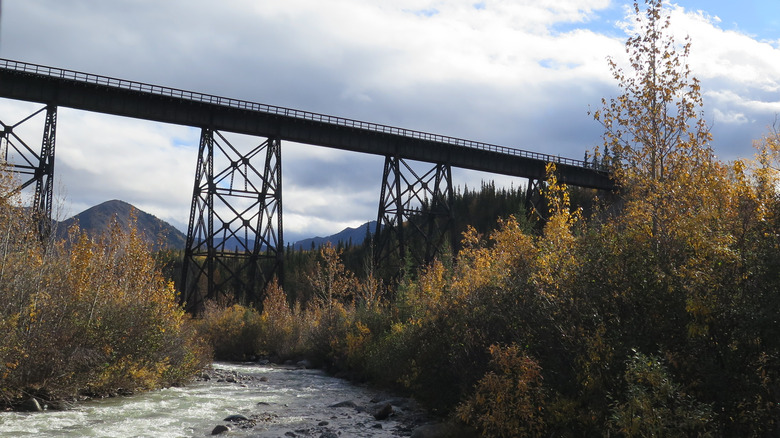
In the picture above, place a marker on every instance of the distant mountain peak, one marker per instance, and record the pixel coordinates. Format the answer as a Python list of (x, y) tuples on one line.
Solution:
[(356, 236), (97, 220)]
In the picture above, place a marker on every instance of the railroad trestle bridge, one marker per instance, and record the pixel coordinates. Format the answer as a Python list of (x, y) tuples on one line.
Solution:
[(235, 224)]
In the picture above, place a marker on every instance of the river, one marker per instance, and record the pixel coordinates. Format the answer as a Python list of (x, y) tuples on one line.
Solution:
[(275, 401)]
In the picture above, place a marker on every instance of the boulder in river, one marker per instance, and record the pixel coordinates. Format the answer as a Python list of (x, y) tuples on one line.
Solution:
[(30, 405), (220, 429), (345, 404), (235, 418), (384, 412)]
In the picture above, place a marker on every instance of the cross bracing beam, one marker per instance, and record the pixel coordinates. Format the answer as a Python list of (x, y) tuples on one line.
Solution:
[(234, 238), (33, 167), (414, 207), (84, 91)]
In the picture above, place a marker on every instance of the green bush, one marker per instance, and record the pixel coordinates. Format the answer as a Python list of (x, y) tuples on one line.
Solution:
[(653, 405)]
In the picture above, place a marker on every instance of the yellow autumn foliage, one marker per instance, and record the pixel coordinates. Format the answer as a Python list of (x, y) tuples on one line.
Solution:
[(93, 314)]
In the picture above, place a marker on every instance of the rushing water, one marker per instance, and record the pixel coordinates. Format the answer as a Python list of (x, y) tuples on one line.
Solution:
[(282, 402)]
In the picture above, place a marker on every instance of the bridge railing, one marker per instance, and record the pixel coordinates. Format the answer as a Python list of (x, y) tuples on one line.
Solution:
[(89, 78)]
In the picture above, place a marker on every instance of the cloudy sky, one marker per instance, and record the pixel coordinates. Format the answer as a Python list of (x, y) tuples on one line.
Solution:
[(518, 73)]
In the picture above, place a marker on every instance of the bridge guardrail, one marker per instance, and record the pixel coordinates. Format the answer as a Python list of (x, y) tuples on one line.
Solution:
[(90, 78)]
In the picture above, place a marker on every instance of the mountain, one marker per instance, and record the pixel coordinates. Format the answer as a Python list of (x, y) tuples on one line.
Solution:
[(96, 220), (355, 235)]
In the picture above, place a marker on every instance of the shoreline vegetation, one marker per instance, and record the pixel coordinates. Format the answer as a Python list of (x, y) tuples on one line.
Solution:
[(85, 317), (652, 313)]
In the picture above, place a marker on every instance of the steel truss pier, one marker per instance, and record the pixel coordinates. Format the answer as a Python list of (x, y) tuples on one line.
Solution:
[(413, 205), (33, 167), (234, 239)]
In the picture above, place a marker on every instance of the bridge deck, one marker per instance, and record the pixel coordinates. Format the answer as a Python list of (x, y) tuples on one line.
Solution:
[(84, 91)]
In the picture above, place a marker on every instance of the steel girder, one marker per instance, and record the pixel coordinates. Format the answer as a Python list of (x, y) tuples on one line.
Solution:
[(83, 91), (415, 212), (234, 238), (33, 167)]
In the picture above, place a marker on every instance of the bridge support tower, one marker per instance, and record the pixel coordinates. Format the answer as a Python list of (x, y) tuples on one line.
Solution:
[(415, 214), (234, 239), (34, 168), (534, 199)]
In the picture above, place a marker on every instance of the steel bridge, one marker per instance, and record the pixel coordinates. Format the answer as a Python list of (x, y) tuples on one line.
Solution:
[(249, 239)]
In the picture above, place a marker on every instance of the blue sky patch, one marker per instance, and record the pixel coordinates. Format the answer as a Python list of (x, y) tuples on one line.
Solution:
[(430, 12)]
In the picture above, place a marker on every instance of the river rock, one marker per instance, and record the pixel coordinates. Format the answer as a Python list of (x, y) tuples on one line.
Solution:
[(329, 435), (305, 364), (30, 405), (220, 429), (384, 412), (61, 405), (235, 418), (345, 404)]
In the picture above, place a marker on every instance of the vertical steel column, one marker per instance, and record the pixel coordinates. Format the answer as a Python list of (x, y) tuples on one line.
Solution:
[(388, 235), (199, 252), (39, 168), (44, 181), (534, 200), (414, 213), (439, 217), (234, 239), (270, 239)]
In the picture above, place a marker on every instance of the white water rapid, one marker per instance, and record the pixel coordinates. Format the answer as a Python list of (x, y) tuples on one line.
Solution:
[(276, 401)]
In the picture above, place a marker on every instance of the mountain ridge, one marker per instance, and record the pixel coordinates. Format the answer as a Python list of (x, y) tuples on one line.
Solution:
[(96, 220), (355, 236)]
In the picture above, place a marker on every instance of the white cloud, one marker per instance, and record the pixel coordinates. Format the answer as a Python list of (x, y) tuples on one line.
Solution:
[(730, 117), (520, 73)]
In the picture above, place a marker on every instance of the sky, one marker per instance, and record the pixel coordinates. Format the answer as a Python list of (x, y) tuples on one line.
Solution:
[(517, 73)]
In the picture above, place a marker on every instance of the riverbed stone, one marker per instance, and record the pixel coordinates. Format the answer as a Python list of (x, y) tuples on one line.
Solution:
[(235, 418), (345, 404), (220, 429), (30, 405), (383, 412), (61, 405)]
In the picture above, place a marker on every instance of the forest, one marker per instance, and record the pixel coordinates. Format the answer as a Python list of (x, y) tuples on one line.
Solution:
[(651, 311)]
